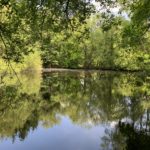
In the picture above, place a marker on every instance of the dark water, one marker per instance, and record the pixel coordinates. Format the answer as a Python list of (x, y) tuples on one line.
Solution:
[(75, 111)]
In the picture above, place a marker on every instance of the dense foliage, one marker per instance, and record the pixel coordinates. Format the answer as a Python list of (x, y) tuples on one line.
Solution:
[(74, 34)]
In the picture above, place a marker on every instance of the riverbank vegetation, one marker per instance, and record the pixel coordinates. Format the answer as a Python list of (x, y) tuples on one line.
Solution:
[(31, 62), (97, 49), (74, 34)]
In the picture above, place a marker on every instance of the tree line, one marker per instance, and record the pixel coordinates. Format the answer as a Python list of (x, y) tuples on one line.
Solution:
[(74, 34)]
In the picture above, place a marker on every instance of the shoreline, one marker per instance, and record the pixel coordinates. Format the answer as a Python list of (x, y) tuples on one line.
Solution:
[(88, 70)]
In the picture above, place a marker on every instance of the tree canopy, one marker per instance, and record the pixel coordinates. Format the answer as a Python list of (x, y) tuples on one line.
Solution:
[(62, 29)]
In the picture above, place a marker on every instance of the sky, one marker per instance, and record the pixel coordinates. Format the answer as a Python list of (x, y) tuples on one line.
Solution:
[(114, 10)]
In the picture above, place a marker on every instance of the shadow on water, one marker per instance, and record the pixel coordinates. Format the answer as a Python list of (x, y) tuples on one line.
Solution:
[(121, 100)]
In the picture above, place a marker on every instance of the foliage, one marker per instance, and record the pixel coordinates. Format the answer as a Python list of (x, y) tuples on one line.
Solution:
[(69, 35), (30, 62), (24, 23), (92, 47)]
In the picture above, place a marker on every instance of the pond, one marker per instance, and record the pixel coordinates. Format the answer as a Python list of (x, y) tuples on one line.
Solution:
[(80, 110)]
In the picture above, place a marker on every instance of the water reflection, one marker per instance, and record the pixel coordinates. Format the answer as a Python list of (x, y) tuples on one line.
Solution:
[(118, 102)]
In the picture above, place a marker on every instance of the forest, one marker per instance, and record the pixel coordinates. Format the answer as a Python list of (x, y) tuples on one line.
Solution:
[(75, 34)]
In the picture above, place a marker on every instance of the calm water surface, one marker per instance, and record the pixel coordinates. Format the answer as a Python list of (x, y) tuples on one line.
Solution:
[(75, 111)]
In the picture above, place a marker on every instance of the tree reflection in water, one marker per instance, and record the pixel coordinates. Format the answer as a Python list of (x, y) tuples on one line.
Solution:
[(95, 97)]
